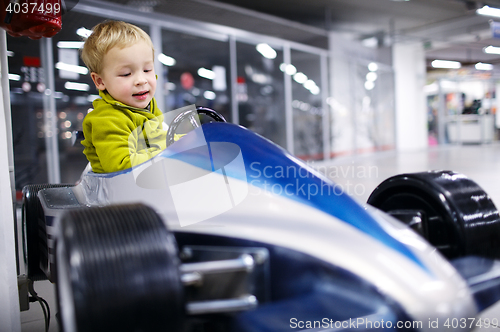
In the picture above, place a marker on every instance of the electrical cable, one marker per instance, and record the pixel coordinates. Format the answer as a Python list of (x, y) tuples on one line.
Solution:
[(45, 306)]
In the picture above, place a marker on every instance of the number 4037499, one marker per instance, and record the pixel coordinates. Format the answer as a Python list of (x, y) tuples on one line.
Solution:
[(470, 323), (33, 8)]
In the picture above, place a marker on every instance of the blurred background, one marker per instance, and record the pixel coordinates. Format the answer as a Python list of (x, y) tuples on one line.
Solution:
[(322, 78)]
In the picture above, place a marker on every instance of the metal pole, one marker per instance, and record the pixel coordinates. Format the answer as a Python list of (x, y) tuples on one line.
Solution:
[(353, 92), (233, 74), (7, 110), (331, 74), (325, 107), (8, 127), (9, 305), (442, 118), (287, 58), (50, 114), (459, 116), (155, 32)]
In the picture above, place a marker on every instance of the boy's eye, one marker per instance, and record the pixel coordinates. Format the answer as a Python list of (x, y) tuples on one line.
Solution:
[(147, 70), (124, 75)]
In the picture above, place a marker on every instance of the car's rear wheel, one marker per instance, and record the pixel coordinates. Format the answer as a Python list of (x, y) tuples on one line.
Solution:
[(35, 249), (459, 218), (117, 270)]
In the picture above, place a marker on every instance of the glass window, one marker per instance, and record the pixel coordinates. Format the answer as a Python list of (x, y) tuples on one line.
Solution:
[(260, 93), (373, 107), (26, 79), (306, 105), (196, 71)]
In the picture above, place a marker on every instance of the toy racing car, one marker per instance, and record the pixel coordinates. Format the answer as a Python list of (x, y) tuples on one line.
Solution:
[(226, 231)]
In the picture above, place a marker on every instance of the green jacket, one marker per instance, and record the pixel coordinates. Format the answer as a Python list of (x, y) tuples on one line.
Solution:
[(118, 136)]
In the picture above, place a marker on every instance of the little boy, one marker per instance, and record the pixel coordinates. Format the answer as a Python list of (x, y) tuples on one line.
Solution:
[(120, 58)]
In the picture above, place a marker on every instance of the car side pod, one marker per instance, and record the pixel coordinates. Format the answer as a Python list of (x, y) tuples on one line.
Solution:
[(451, 211)]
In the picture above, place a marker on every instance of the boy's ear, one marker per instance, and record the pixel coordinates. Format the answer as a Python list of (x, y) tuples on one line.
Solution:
[(99, 83)]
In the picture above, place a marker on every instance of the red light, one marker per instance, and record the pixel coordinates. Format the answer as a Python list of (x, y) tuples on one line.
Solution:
[(31, 61)]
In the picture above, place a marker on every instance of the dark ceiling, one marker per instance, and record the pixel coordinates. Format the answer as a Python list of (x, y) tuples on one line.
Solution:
[(449, 29)]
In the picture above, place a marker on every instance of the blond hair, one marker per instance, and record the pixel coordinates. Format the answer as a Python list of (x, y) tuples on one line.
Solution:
[(107, 35)]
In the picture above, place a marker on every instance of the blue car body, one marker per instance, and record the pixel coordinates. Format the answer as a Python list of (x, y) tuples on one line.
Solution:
[(334, 264)]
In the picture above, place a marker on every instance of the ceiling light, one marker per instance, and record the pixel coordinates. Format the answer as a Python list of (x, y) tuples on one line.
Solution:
[(266, 51), (166, 60), (372, 66), (72, 68), (371, 42), (260, 78), (371, 76), (83, 32), (446, 64), (91, 98), (76, 86), (309, 84), (483, 66), (210, 95), (491, 50), (291, 70), (10, 53), (14, 77), (488, 11), (288, 69), (70, 44), (315, 90), (300, 78), (206, 73), (369, 85)]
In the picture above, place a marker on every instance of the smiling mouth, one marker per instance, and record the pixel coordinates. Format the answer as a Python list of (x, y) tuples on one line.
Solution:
[(140, 94)]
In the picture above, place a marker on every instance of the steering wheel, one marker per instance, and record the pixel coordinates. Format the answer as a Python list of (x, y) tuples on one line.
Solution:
[(189, 114)]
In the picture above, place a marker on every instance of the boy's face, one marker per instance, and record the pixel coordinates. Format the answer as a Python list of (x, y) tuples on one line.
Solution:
[(128, 74)]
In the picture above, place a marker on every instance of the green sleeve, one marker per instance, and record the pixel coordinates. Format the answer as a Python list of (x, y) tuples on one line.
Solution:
[(114, 143)]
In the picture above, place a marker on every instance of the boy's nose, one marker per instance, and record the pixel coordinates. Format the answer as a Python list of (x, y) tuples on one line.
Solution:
[(141, 80)]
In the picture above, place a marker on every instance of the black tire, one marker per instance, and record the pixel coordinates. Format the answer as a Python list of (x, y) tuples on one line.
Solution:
[(460, 218), (34, 232), (118, 270)]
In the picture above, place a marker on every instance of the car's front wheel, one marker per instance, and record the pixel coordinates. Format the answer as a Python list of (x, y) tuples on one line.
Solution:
[(117, 270)]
